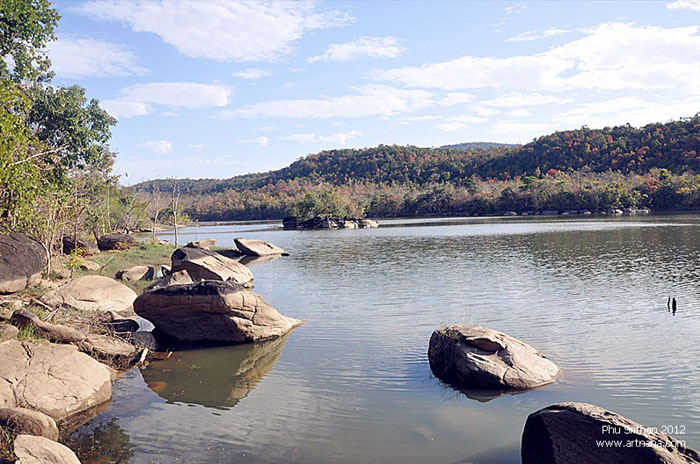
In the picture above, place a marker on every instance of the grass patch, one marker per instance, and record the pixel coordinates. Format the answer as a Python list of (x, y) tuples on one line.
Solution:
[(29, 334), (7, 439), (143, 253)]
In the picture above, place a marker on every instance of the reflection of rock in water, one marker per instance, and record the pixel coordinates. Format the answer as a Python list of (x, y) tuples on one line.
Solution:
[(248, 260), (100, 442), (214, 377)]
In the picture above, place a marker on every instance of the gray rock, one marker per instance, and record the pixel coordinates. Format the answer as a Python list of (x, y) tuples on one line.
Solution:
[(22, 261), (57, 380), (93, 293), (212, 312), (86, 247), (146, 340), (136, 273), (53, 332), (39, 450), (110, 350), (477, 357), (87, 265), (205, 244), (115, 242), (8, 332), (569, 433), (251, 247), (25, 421), (175, 278), (367, 223), (208, 265)]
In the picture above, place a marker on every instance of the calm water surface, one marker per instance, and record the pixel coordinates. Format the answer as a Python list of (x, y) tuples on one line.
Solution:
[(353, 385)]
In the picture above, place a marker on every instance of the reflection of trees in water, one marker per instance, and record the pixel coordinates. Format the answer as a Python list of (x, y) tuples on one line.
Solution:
[(101, 442), (214, 377)]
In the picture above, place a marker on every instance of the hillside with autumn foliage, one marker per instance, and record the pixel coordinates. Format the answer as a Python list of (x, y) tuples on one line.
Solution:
[(655, 166)]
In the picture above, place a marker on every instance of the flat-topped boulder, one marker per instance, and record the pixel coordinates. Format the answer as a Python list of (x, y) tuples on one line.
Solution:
[(92, 293), (30, 449), (53, 332), (475, 357), (136, 273), (250, 247), (22, 261), (205, 244), (25, 421), (56, 380), (571, 433), (203, 264), (212, 312), (115, 242)]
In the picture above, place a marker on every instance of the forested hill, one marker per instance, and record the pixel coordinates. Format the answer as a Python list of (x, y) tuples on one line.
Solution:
[(674, 146), (365, 178)]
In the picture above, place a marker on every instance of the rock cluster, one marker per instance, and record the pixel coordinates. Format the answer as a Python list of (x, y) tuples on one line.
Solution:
[(328, 222)]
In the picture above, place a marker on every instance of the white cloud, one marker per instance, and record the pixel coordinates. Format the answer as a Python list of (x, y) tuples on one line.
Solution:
[(289, 85), (252, 73), (513, 100), (159, 147), (337, 139), (195, 146), (518, 113), (537, 34), (77, 58), (457, 123), (362, 47), (516, 9), (507, 129), (262, 141), (221, 30), (456, 98), (373, 100), (139, 99), (610, 57), (692, 5)]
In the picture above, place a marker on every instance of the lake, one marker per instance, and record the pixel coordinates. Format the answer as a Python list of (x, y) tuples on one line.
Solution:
[(353, 384)]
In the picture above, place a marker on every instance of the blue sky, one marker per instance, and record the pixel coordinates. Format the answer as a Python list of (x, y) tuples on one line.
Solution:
[(220, 88)]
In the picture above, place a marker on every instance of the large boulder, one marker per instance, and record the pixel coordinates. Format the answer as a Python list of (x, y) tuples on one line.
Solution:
[(115, 242), (57, 380), (212, 312), (475, 357), (367, 224), (572, 433), (251, 247), (54, 332), (135, 273), (25, 421), (205, 244), (39, 450), (21, 262), (111, 350), (93, 293), (203, 264), (86, 247)]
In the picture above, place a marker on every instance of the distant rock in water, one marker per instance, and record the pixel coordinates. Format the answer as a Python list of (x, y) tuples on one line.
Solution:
[(205, 244), (571, 433), (257, 247), (212, 312), (475, 357), (21, 262), (328, 222)]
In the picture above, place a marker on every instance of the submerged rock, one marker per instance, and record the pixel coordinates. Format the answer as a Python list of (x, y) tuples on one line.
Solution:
[(208, 265), (39, 450), (56, 380), (251, 247), (92, 293), (21, 262), (25, 421), (571, 433), (212, 312), (477, 357)]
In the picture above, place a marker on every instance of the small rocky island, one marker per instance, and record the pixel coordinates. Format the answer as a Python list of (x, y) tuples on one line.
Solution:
[(327, 222)]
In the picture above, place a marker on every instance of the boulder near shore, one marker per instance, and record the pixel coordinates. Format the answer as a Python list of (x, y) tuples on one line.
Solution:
[(21, 262), (572, 433), (39, 450), (474, 357), (251, 247), (203, 264), (115, 242), (92, 293), (212, 312), (56, 380)]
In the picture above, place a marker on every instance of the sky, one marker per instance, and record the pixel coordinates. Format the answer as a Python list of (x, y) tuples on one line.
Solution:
[(213, 89)]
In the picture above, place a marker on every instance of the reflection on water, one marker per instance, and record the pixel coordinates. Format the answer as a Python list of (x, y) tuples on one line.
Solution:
[(102, 442), (353, 384), (216, 377)]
